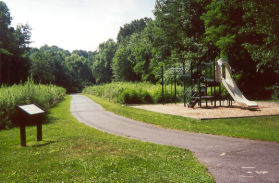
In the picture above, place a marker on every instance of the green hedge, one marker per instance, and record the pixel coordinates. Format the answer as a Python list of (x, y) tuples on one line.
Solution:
[(43, 95), (134, 93)]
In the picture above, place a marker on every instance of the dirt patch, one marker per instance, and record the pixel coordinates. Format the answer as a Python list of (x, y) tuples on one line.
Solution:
[(265, 108)]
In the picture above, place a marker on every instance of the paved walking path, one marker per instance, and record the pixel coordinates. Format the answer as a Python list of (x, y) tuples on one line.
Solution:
[(228, 159)]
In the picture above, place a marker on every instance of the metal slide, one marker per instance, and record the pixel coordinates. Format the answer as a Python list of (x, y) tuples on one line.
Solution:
[(224, 74)]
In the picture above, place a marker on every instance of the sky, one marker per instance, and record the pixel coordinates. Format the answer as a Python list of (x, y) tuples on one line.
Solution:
[(76, 24)]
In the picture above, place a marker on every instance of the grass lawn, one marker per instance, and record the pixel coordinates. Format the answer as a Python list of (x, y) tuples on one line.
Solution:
[(73, 152), (260, 128)]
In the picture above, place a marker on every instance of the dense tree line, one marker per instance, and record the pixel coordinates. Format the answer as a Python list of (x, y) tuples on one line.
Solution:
[(246, 32), (46, 65), (57, 66), (13, 46)]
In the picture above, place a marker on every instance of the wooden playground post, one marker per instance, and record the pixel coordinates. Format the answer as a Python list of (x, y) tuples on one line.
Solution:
[(191, 68), (214, 84), (184, 78), (162, 68), (175, 86), (205, 92), (199, 86), (220, 93)]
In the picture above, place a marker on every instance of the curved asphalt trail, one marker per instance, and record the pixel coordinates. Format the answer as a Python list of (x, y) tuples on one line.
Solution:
[(230, 160)]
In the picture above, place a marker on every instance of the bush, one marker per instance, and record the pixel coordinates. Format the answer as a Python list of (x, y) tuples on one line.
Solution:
[(130, 96), (147, 98), (134, 93), (44, 95)]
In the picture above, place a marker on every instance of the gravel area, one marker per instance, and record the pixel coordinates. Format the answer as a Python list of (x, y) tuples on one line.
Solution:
[(265, 108)]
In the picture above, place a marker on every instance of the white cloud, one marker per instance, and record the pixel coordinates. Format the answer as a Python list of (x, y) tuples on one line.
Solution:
[(77, 24)]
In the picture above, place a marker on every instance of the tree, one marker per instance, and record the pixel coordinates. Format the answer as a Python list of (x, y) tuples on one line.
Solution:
[(127, 56), (261, 40), (5, 21), (79, 71), (55, 57), (179, 30), (135, 26), (53, 50), (13, 46), (42, 67), (101, 68), (81, 53), (123, 62), (260, 32), (141, 50), (51, 64), (245, 32)]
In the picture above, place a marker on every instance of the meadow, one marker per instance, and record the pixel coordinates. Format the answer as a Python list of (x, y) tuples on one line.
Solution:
[(45, 96), (135, 93)]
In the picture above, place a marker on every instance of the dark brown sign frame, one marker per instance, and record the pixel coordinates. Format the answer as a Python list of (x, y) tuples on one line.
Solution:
[(26, 114)]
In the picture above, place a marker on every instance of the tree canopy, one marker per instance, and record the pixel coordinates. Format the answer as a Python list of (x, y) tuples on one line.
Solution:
[(243, 31), (13, 44)]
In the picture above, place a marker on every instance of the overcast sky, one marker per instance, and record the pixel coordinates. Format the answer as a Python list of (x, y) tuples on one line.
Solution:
[(76, 24)]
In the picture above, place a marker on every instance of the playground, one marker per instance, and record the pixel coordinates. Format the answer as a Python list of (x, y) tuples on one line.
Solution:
[(211, 112), (210, 92)]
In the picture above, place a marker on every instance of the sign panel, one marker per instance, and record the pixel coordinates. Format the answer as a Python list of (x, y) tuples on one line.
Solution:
[(31, 109)]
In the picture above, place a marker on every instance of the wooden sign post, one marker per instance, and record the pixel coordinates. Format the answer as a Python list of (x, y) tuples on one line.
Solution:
[(28, 114)]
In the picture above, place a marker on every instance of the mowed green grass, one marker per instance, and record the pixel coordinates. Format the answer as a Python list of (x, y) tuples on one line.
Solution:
[(73, 152), (259, 128)]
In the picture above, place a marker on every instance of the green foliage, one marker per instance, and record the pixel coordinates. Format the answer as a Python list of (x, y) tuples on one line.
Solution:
[(60, 67), (136, 26), (13, 46), (46, 65), (131, 52), (42, 67), (78, 69), (135, 93), (130, 96), (101, 68), (261, 32), (246, 33), (82, 53), (122, 65), (43, 95), (243, 31), (180, 29)]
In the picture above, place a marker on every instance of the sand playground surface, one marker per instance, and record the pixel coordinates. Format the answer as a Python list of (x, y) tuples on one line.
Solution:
[(211, 112)]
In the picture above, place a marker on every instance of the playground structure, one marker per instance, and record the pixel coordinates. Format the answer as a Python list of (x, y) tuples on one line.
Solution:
[(203, 83)]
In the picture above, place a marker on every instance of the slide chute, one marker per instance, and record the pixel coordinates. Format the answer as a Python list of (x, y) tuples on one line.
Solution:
[(224, 74)]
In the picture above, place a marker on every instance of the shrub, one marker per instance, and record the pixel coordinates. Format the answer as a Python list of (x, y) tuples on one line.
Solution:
[(130, 96), (147, 98), (44, 95), (134, 93)]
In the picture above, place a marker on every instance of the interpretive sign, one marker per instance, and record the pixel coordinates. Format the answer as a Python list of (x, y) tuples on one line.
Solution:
[(29, 114), (31, 109)]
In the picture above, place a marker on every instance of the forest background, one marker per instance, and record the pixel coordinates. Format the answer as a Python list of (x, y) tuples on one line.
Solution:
[(245, 32)]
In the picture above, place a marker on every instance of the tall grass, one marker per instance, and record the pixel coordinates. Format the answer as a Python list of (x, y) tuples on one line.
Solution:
[(43, 95), (135, 93)]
